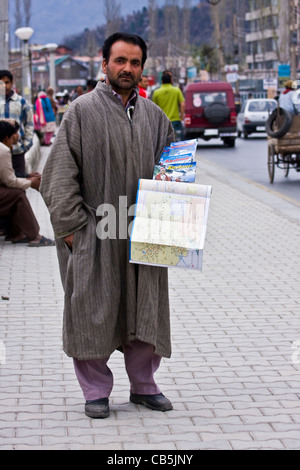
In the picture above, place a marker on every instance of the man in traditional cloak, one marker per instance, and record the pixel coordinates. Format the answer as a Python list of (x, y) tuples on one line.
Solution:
[(108, 140)]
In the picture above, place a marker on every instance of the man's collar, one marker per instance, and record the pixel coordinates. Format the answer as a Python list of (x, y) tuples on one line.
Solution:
[(131, 100), (12, 95)]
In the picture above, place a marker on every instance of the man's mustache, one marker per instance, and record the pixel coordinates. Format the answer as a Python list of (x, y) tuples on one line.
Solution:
[(126, 75)]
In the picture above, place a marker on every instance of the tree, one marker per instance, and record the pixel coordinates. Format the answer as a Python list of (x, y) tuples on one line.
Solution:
[(228, 19), (215, 10), (186, 23), (206, 58), (18, 22), (91, 50), (112, 16), (171, 23), (27, 11), (152, 35)]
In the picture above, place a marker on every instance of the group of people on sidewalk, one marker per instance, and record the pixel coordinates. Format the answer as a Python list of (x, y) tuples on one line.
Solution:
[(18, 223), (45, 111)]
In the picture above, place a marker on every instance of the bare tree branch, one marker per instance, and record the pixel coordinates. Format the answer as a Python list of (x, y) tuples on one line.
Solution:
[(112, 16), (27, 11)]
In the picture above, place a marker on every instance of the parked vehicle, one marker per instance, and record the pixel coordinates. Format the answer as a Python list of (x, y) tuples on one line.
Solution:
[(210, 112), (254, 115)]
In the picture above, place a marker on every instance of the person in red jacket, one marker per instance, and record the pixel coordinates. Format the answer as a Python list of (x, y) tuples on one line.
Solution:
[(143, 85)]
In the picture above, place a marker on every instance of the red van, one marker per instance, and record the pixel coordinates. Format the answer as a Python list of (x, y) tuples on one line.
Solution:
[(210, 112)]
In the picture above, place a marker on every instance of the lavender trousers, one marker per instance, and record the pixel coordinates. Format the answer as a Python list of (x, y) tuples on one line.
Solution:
[(96, 379)]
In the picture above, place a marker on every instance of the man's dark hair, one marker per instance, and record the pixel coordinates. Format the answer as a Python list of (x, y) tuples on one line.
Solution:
[(7, 129), (6, 73), (166, 77), (126, 37)]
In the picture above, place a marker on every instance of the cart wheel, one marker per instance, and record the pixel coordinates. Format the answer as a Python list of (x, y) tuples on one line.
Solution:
[(286, 167), (271, 162)]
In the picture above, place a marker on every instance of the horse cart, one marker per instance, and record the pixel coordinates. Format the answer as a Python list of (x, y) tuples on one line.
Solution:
[(283, 142)]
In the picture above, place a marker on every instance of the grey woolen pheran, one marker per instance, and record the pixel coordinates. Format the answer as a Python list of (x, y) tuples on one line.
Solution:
[(97, 156)]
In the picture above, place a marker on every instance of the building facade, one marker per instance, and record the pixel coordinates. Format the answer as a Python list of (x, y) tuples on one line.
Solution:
[(273, 37)]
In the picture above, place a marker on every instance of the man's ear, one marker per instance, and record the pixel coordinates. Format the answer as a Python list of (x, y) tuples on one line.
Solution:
[(5, 141), (104, 66)]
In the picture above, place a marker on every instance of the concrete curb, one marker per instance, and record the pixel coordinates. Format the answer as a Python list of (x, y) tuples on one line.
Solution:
[(33, 156)]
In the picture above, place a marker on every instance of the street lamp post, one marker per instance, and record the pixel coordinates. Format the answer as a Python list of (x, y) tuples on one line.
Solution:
[(2, 92), (51, 48), (25, 34), (4, 34)]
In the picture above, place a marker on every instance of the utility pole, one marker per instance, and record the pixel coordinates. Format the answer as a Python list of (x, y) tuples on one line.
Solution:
[(216, 21), (152, 37), (293, 39), (4, 35)]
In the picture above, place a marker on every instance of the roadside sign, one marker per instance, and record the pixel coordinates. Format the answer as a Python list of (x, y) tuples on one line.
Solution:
[(284, 70), (192, 72), (270, 83), (72, 82), (232, 77), (284, 74), (231, 68)]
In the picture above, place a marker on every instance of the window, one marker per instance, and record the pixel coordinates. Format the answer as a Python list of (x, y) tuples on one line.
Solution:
[(205, 99), (261, 106)]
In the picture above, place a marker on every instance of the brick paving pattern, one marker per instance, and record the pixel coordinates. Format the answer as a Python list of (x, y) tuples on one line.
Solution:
[(234, 374)]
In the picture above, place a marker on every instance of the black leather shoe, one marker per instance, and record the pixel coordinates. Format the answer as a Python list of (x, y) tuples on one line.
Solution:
[(97, 408), (154, 402)]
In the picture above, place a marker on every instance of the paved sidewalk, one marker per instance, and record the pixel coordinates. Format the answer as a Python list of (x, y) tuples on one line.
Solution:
[(234, 376)]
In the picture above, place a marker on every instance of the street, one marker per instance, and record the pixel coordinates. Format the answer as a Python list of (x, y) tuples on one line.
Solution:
[(234, 372), (249, 160)]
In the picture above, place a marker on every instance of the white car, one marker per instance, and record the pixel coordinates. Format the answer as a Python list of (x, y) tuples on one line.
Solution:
[(253, 116)]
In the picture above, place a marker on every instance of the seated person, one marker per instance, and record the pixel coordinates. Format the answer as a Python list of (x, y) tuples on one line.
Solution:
[(24, 227), (290, 101), (289, 98)]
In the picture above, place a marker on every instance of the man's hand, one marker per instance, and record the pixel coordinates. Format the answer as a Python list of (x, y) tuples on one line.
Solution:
[(35, 182), (69, 240)]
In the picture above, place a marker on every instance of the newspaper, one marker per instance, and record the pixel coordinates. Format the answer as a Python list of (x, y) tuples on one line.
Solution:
[(170, 224)]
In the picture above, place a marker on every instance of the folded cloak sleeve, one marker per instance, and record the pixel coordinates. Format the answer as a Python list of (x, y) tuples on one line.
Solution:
[(60, 187)]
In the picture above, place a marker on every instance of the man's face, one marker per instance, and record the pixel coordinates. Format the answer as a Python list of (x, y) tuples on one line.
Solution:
[(144, 82), (8, 85), (11, 141), (124, 67), (15, 138)]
